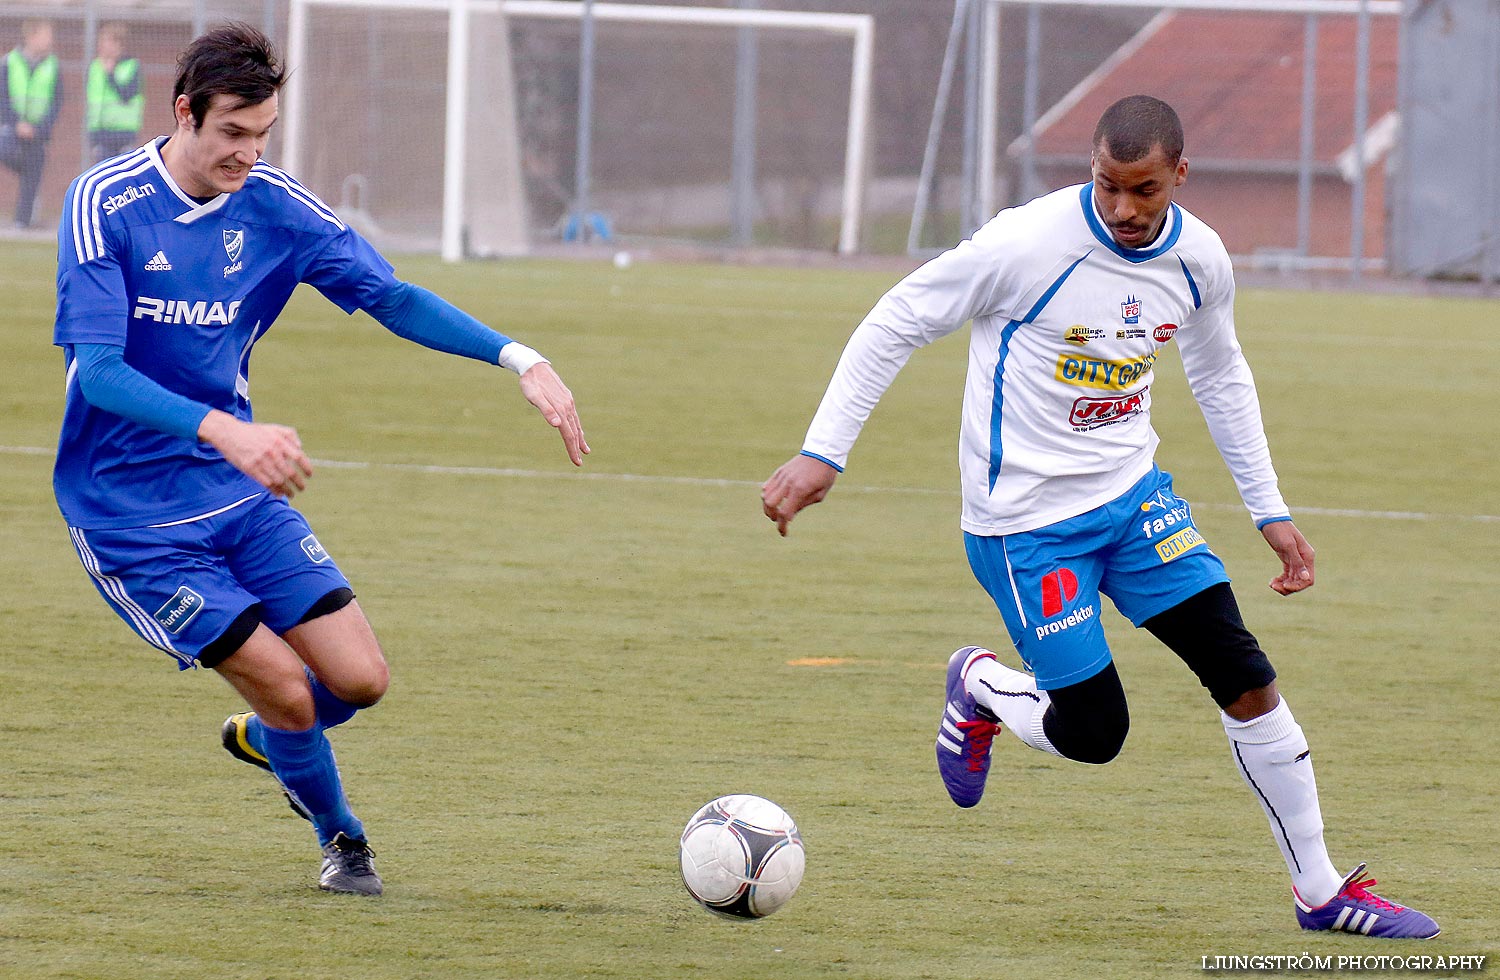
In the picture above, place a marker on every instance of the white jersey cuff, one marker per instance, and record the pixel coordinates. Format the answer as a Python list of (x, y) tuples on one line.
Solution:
[(519, 358)]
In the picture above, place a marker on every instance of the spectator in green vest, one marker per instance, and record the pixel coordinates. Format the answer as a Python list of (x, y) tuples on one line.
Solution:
[(115, 100), (33, 94)]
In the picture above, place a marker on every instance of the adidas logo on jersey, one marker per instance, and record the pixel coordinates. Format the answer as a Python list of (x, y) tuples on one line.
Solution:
[(159, 263)]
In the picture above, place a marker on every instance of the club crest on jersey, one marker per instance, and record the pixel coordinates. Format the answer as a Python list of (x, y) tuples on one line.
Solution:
[(234, 244), (1130, 310)]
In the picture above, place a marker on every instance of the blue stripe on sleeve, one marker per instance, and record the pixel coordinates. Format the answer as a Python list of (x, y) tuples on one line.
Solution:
[(1197, 299), (822, 459), (997, 450)]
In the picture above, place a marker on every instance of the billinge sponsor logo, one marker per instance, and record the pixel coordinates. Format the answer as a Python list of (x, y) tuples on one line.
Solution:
[(1078, 334)]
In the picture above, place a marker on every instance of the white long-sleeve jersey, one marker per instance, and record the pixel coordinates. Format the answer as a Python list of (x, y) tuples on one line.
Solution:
[(1067, 326)]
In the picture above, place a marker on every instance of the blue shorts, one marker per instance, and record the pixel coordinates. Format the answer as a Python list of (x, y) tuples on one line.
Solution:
[(1140, 549), (180, 586)]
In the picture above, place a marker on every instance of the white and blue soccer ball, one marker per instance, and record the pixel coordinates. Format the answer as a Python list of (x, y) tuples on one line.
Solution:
[(742, 857)]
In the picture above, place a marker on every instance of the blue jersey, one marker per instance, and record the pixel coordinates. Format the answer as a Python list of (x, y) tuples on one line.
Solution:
[(186, 287)]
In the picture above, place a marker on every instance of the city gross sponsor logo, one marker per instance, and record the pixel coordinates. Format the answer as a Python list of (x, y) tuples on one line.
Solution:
[(1164, 333), (1185, 540), (129, 195), (1078, 334), (1067, 622), (184, 311), (1086, 372), (1058, 587), (179, 610), (1091, 413)]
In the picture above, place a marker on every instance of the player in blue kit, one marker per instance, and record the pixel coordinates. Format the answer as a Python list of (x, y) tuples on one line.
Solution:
[(1072, 296), (173, 260)]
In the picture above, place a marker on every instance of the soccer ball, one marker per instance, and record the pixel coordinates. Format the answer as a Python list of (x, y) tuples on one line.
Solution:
[(742, 857)]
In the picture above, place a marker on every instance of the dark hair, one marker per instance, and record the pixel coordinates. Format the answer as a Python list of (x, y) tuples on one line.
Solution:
[(234, 59), (1132, 126)]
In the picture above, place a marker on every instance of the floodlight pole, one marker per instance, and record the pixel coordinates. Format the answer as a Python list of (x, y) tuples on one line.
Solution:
[(1361, 120), (935, 127), (1306, 150)]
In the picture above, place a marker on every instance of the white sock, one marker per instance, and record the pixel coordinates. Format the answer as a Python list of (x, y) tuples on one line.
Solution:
[(1271, 754), (1013, 697)]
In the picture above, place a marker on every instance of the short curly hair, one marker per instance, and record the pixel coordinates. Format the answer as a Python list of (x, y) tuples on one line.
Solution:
[(1132, 126)]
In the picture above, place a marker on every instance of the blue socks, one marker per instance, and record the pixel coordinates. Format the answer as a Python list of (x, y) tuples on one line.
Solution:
[(332, 712), (304, 762)]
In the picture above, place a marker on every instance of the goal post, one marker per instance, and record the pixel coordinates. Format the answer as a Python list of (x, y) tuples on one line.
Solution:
[(464, 88), (477, 56)]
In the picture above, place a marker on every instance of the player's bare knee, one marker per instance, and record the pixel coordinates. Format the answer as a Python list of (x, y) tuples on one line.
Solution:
[(289, 707), (369, 689), (1253, 703)]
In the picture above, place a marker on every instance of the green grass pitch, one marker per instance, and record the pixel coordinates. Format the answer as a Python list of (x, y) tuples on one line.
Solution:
[(580, 660)]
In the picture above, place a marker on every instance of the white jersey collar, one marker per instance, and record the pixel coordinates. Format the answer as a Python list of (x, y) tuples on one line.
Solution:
[(195, 210), (1165, 234)]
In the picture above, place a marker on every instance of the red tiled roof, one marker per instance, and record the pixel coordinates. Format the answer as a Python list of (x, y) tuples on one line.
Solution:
[(1236, 81)]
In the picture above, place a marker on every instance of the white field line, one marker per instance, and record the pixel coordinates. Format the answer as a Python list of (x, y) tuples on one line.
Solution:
[(709, 481)]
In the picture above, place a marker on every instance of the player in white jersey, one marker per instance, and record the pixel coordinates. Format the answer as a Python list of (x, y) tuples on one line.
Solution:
[(174, 260), (1072, 296)]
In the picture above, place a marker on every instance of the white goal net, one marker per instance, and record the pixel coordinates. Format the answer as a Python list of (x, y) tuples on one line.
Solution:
[(454, 125)]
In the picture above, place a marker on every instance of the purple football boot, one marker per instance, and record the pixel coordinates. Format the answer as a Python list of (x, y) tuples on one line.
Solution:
[(1358, 910), (965, 733)]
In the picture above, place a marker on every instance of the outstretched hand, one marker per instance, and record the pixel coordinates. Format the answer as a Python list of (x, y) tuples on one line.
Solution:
[(544, 389), (799, 482), (271, 455), (1296, 557)]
